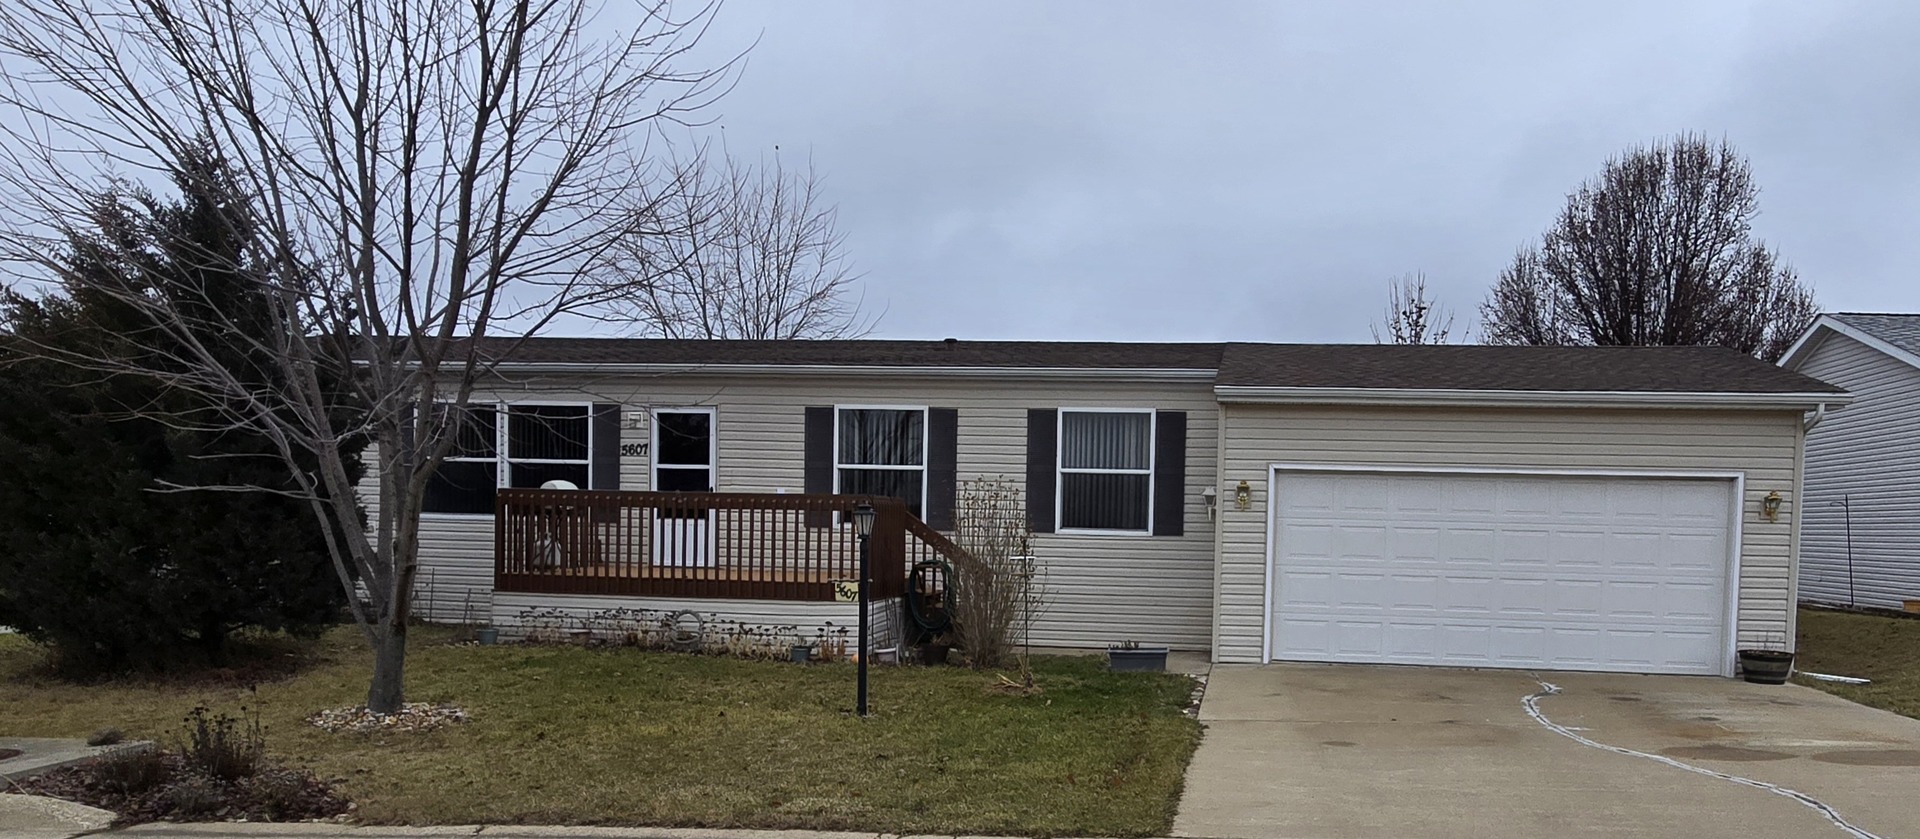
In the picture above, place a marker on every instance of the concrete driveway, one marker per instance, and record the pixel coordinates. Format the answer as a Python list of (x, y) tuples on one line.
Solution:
[(1335, 751)]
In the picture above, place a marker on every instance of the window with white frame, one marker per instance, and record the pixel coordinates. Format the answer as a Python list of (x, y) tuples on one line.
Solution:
[(882, 451), (534, 444), (1106, 470)]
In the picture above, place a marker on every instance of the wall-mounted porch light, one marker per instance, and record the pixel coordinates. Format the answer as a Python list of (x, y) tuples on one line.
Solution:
[(1211, 497), (1243, 497), (1770, 506)]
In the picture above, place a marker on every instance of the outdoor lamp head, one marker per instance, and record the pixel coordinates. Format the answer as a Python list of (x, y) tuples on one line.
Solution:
[(863, 519)]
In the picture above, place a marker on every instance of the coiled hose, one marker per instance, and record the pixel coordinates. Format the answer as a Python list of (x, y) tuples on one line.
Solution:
[(930, 618)]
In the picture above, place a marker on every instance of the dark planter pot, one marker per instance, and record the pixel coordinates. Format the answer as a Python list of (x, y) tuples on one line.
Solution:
[(1766, 667), (800, 654), (487, 635), (1141, 660), (934, 654)]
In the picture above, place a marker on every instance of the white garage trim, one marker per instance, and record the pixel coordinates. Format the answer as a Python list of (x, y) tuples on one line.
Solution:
[(1730, 618)]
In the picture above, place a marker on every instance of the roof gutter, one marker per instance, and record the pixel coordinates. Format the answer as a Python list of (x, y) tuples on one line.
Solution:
[(868, 370), (1436, 397)]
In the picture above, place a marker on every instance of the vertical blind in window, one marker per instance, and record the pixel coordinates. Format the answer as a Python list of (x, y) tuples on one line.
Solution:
[(883, 451), (1106, 470), (543, 443)]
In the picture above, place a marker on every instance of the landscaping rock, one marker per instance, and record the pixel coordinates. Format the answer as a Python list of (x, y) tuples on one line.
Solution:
[(413, 716)]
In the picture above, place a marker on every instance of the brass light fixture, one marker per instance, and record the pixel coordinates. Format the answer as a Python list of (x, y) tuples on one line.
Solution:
[(1770, 506), (1243, 497)]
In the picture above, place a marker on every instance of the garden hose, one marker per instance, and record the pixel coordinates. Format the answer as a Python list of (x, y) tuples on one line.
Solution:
[(930, 623)]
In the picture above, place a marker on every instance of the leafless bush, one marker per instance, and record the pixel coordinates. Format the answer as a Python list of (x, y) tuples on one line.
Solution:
[(997, 592), (221, 746)]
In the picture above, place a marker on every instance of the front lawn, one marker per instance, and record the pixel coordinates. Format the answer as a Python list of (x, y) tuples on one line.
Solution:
[(1884, 649), (615, 736)]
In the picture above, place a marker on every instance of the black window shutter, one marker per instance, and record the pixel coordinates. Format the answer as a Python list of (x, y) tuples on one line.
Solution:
[(819, 461), (606, 446), (1170, 473), (1043, 445), (943, 466)]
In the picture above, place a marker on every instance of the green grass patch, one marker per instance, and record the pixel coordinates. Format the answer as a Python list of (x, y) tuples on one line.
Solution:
[(568, 735), (1884, 649)]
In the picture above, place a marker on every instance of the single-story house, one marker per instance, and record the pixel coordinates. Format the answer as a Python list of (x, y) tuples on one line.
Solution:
[(1626, 509), (1860, 541)]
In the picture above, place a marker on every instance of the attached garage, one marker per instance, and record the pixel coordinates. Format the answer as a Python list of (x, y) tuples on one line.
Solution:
[(1568, 508), (1465, 568)]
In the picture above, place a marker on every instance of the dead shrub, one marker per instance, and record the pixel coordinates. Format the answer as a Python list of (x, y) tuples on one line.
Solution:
[(997, 590), (221, 746), (131, 773)]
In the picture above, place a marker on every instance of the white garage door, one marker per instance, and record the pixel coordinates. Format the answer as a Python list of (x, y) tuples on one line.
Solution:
[(1551, 572)]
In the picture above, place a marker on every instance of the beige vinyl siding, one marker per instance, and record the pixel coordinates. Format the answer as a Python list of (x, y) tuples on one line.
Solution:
[(451, 586), (1763, 445), (1100, 588), (1865, 457)]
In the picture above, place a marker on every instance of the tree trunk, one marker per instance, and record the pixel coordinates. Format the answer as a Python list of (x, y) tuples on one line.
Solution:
[(389, 663)]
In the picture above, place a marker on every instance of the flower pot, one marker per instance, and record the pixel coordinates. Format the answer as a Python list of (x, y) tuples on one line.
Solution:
[(800, 653), (1137, 660), (1766, 667), (488, 635), (934, 654)]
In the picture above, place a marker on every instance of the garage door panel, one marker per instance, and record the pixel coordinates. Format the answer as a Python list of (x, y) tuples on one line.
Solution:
[(1501, 571)]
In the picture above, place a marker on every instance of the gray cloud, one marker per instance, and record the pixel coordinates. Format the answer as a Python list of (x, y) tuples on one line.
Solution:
[(1135, 171)]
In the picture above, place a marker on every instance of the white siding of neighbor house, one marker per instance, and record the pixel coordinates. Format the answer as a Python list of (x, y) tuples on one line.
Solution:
[(1866, 455), (1763, 445), (1100, 589)]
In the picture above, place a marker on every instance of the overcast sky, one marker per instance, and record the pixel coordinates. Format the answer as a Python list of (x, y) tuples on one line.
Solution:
[(1142, 171)]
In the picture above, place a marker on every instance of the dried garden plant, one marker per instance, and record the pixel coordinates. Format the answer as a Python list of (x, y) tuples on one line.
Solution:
[(997, 590)]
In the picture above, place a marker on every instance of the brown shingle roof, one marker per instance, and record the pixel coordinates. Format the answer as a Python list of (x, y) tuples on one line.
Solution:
[(1446, 367), (1472, 367), (870, 353)]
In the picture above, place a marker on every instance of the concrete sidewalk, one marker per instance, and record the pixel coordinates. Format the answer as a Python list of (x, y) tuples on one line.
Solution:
[(36, 817), (317, 831)]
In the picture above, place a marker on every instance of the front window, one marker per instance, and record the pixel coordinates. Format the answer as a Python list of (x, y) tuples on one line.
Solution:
[(498, 446), (883, 451), (1106, 470)]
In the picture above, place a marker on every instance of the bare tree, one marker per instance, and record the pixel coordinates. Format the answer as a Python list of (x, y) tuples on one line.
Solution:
[(429, 180), (1412, 317), (735, 250), (1659, 250)]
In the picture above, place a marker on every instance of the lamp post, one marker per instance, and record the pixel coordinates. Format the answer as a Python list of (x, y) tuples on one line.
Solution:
[(863, 525)]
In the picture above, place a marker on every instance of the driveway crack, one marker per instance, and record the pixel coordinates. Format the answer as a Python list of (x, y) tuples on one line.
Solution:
[(1532, 704)]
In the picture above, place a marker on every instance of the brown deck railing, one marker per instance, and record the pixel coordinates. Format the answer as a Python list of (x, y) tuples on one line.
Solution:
[(687, 544)]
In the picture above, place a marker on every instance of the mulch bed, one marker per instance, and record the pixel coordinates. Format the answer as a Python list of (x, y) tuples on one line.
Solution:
[(271, 794)]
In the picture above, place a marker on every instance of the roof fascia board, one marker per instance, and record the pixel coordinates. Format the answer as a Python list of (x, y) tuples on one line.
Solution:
[(1052, 373), (1521, 398), (1808, 343)]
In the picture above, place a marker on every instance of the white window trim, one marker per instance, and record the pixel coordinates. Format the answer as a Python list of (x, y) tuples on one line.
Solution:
[(713, 443), (503, 466), (926, 444), (1060, 469)]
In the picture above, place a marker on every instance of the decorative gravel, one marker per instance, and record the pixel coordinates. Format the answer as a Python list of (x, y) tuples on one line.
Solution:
[(413, 716)]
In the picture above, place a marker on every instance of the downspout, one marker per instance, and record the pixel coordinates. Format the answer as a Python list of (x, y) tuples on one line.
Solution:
[(1814, 417)]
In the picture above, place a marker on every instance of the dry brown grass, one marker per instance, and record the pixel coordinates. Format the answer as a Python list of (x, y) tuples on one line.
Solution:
[(615, 736)]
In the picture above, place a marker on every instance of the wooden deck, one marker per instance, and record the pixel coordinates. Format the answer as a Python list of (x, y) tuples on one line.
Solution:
[(707, 572), (747, 546)]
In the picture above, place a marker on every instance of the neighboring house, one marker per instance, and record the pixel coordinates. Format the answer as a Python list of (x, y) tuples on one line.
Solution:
[(1570, 508), (1860, 542)]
